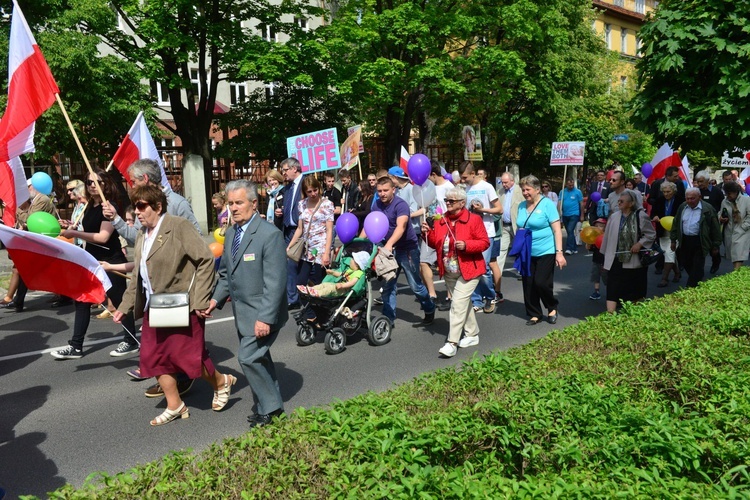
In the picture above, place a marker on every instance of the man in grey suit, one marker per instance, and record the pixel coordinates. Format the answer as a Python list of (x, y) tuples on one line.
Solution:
[(253, 273)]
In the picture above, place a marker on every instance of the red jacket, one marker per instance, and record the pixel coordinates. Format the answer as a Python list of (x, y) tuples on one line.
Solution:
[(470, 229)]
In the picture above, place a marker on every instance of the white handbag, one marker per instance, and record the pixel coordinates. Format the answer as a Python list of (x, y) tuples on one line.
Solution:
[(170, 310)]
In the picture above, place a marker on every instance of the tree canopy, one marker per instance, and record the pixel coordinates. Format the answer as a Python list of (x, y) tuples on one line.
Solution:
[(694, 74)]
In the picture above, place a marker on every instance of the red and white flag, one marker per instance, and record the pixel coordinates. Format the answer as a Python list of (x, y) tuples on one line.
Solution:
[(13, 188), (31, 89), (663, 159), (404, 161), (138, 145), (56, 266)]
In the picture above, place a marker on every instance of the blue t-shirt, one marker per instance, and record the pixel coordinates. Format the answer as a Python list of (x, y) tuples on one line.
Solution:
[(395, 209), (571, 201), (542, 237)]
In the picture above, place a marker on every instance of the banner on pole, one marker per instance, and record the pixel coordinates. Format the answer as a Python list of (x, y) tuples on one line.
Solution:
[(472, 140), (741, 161), (567, 153), (316, 151), (350, 149)]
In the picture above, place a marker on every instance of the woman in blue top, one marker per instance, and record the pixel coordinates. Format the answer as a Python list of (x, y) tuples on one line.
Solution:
[(538, 214)]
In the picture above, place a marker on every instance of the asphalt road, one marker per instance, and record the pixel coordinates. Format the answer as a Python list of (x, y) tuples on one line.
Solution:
[(62, 420)]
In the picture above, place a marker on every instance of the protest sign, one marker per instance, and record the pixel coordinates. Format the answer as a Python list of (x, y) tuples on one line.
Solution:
[(316, 151), (567, 153), (357, 128), (471, 136), (350, 149)]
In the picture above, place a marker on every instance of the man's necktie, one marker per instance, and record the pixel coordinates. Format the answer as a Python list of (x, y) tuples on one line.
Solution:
[(236, 241)]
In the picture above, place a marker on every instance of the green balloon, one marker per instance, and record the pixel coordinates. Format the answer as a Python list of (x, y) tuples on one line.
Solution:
[(43, 223)]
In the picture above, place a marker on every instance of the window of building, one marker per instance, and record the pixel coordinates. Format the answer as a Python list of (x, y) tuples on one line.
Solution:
[(267, 33), (640, 6), (619, 3), (195, 81), (160, 92), (271, 90), (237, 93), (623, 82), (301, 22), (624, 41), (608, 35)]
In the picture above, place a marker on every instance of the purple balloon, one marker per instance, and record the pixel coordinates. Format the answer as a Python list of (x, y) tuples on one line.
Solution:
[(596, 196), (376, 226), (347, 227), (419, 168), (647, 169), (448, 177), (747, 187)]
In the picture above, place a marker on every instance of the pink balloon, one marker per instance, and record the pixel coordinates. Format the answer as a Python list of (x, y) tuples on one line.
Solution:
[(376, 226), (647, 169), (419, 168), (347, 227), (596, 196)]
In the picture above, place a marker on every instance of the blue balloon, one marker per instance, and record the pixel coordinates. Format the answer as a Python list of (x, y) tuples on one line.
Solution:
[(42, 183)]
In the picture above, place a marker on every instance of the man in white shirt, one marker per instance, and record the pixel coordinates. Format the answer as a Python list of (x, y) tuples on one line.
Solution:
[(481, 199), (510, 196)]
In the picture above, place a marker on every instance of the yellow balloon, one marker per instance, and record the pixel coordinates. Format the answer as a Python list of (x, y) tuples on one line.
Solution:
[(589, 234), (666, 222), (219, 236)]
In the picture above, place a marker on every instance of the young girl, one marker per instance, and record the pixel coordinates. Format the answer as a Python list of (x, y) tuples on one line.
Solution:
[(338, 283)]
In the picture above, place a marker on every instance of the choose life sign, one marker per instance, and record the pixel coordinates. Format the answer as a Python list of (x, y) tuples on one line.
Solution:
[(316, 151), (567, 153)]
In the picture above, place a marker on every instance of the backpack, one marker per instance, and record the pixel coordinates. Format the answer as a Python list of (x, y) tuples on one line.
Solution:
[(602, 208)]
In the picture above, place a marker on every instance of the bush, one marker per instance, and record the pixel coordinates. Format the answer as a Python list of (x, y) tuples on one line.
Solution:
[(652, 402)]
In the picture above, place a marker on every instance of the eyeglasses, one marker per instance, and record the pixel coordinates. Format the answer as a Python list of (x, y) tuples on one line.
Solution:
[(449, 201), (545, 186), (285, 169), (71, 190), (91, 182), (141, 206)]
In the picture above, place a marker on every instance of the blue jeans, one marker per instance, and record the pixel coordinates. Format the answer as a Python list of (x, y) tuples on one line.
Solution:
[(570, 221), (485, 288), (408, 261)]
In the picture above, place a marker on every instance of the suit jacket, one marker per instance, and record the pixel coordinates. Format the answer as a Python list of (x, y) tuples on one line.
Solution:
[(256, 279), (655, 192), (291, 204), (593, 186), (516, 199), (40, 203), (178, 253)]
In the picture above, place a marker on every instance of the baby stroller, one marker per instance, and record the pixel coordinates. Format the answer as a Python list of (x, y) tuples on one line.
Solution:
[(344, 315)]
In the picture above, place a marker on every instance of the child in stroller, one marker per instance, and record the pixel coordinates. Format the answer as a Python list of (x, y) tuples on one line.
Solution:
[(343, 301), (337, 283)]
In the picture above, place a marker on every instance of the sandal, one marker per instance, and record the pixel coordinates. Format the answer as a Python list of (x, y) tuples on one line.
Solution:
[(6, 300), (302, 289), (181, 412), (221, 397)]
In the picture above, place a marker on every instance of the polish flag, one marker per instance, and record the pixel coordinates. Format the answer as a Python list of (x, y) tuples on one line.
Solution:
[(13, 188), (31, 89), (404, 161), (662, 160), (138, 145), (41, 261)]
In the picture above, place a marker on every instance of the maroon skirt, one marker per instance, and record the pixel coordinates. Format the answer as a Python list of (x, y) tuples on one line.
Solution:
[(175, 350)]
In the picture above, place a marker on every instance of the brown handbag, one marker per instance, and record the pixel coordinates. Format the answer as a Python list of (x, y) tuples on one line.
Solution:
[(298, 248)]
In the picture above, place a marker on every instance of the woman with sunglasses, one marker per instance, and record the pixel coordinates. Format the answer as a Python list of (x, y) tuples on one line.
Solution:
[(547, 191), (103, 244), (459, 238)]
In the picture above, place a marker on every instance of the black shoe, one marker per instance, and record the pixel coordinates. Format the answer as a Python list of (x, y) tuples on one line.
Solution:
[(13, 306), (294, 306), (378, 302), (258, 420), (444, 305), (552, 319), (532, 322), (714, 268), (61, 302), (428, 319), (658, 271)]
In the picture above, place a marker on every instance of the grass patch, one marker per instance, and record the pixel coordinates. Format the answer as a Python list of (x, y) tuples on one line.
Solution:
[(653, 402)]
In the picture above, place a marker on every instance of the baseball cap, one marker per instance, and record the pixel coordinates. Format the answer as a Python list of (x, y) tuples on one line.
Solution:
[(397, 172)]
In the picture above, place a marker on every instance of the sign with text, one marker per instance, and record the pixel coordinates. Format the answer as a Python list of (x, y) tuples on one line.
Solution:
[(740, 158), (471, 136), (316, 151), (567, 153)]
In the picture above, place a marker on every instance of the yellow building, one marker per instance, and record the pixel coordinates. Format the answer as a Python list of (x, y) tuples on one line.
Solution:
[(618, 23)]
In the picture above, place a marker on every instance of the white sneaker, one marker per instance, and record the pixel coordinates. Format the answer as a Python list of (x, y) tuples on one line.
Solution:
[(468, 341), (568, 252), (448, 350)]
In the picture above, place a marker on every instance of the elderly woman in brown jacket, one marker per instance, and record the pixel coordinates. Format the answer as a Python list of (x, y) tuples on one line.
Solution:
[(171, 257)]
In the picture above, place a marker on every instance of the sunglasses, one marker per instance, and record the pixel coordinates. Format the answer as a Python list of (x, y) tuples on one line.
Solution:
[(91, 182), (141, 206), (449, 201), (70, 190)]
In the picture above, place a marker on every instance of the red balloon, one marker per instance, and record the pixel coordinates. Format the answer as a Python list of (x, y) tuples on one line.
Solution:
[(747, 155), (217, 249), (599, 241)]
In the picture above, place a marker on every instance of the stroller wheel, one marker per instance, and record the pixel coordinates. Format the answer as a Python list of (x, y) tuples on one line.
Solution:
[(335, 341), (305, 334), (379, 332)]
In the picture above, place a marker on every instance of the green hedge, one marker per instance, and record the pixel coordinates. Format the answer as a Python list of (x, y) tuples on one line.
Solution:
[(653, 402)]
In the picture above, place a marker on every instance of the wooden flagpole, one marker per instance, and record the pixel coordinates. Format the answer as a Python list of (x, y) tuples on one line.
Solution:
[(80, 148)]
